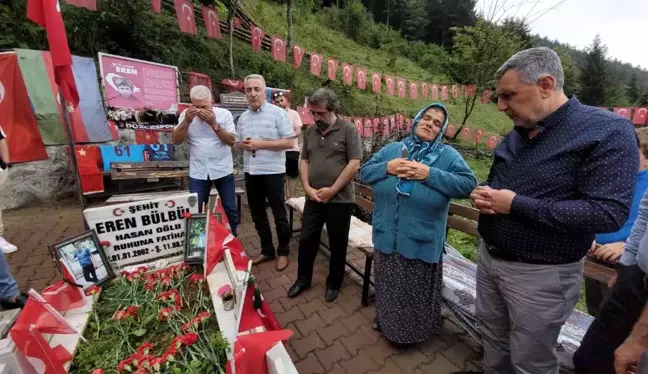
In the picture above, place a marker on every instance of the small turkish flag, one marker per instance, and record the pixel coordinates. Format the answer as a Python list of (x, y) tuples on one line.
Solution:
[(298, 56), (315, 64), (400, 84), (455, 91), (358, 125), (185, 14), (465, 133), (347, 74), (146, 137), (472, 89), (444, 93), (413, 90), (368, 126), (89, 4), (640, 116), (250, 351), (492, 142), (199, 79), (41, 357), (392, 123), (40, 314), (236, 23), (390, 85), (233, 83), (623, 112), (478, 135), (385, 125), (425, 90), (210, 18), (156, 6), (375, 82), (435, 92), (331, 68), (257, 35), (464, 89), (486, 95), (63, 296), (376, 125), (278, 48), (399, 121), (361, 78), (90, 176), (450, 131), (47, 14)]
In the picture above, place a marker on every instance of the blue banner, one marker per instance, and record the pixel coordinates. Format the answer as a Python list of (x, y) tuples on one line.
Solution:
[(91, 103)]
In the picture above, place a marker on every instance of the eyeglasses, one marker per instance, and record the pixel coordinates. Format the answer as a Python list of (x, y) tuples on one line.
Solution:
[(317, 114)]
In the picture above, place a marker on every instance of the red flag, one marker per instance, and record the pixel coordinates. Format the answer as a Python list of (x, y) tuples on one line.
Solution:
[(220, 238), (298, 56), (331, 68), (399, 120), (210, 18), (63, 296), (472, 89), (425, 90), (233, 84), (18, 121), (435, 92), (413, 90), (185, 14), (42, 316), (361, 78), (89, 4), (90, 175), (42, 358), (392, 123), (347, 74), (251, 318), (358, 124), (236, 23), (451, 130), (315, 64), (385, 125), (278, 48), (465, 133), (486, 95), (400, 83), (444, 93), (464, 89), (368, 126), (47, 13), (156, 6), (146, 137), (375, 82), (257, 35), (376, 126), (113, 130), (478, 135), (250, 351), (199, 79), (455, 91), (390, 85), (640, 116), (623, 112), (221, 216), (492, 142)]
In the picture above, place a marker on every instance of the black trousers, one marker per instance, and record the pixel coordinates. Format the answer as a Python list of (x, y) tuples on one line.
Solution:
[(595, 292), (620, 311), (89, 273), (337, 218), (271, 187)]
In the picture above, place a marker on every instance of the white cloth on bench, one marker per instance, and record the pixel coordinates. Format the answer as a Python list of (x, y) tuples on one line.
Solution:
[(459, 289)]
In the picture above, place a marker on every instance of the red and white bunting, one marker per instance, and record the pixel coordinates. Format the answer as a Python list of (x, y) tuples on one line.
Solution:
[(185, 14), (479, 133), (444, 93), (212, 24), (466, 133), (413, 90), (361, 78), (347, 74), (640, 116), (451, 130), (400, 84), (315, 64), (472, 89), (623, 112), (455, 91), (376, 82), (331, 68), (298, 56), (236, 23), (435, 92), (256, 39), (358, 124), (425, 90), (486, 95), (390, 85), (278, 48), (492, 141), (368, 126)]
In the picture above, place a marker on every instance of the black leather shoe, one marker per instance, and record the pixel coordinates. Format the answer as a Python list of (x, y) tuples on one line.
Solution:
[(19, 303), (330, 295), (298, 287)]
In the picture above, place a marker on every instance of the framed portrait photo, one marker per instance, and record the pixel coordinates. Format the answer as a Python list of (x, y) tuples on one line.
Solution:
[(196, 239), (84, 259)]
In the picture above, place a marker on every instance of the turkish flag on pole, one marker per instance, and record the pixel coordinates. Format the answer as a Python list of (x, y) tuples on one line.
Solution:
[(298, 56), (361, 78), (39, 313), (156, 6), (413, 90), (315, 64), (89, 4), (640, 116), (390, 85), (347, 74), (375, 82), (42, 358), (278, 48), (47, 13), (331, 68), (250, 351), (185, 14), (63, 296), (257, 35), (401, 87), (425, 90), (210, 18)]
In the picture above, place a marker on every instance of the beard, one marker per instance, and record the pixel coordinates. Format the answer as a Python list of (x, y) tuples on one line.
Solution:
[(321, 125)]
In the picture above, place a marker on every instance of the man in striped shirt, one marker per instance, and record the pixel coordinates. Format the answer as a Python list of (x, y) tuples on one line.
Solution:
[(265, 132)]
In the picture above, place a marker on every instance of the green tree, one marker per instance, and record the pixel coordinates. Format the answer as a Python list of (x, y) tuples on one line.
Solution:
[(446, 14), (572, 72), (477, 53), (415, 22), (633, 91), (595, 76), (521, 28)]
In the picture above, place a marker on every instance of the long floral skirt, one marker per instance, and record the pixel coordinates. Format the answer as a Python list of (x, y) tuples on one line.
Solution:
[(408, 298)]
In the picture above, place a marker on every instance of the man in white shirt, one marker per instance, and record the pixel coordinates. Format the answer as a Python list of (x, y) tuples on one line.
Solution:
[(292, 155), (5, 164), (264, 132), (209, 132)]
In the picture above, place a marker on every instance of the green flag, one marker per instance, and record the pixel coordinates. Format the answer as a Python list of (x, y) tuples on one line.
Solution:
[(39, 88)]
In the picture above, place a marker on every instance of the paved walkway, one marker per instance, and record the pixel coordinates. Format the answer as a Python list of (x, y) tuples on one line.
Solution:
[(328, 338)]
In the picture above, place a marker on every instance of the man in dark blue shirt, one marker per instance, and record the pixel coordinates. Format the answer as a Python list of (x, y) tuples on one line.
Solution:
[(566, 173)]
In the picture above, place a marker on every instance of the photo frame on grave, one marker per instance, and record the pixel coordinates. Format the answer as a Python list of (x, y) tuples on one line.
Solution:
[(84, 256), (195, 239)]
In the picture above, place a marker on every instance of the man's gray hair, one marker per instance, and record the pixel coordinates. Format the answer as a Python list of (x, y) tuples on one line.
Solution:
[(255, 76), (325, 95), (534, 64), (200, 93)]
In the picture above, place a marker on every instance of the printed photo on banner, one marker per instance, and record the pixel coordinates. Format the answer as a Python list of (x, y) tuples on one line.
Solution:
[(84, 259), (132, 83), (143, 232), (196, 239)]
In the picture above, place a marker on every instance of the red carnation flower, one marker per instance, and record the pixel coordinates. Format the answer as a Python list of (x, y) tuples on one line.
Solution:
[(203, 316), (189, 338), (92, 290), (164, 313), (105, 243), (144, 348), (166, 281), (197, 278)]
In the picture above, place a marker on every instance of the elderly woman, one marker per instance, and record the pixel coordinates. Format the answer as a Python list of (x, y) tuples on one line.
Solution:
[(413, 182)]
